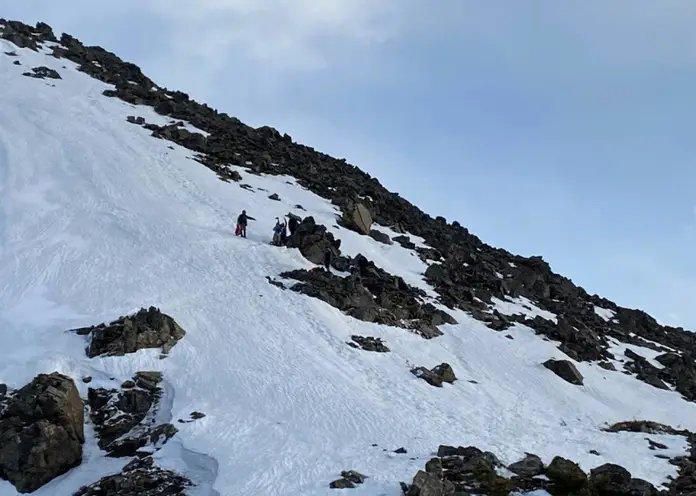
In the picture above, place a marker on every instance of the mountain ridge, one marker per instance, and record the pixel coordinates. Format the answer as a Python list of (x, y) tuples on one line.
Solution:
[(467, 274)]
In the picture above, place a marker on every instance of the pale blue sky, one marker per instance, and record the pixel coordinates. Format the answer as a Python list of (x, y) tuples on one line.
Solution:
[(564, 129)]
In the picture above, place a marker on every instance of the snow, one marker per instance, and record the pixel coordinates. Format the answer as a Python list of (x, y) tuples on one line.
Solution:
[(604, 313), (97, 219), (521, 305)]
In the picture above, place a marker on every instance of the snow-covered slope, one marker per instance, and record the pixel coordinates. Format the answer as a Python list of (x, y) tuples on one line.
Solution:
[(98, 218)]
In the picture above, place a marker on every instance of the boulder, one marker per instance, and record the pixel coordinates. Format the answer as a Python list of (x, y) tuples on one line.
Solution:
[(145, 329), (566, 474), (41, 432), (358, 218), (369, 343), (313, 241), (437, 375), (425, 484), (529, 466), (381, 237), (610, 480), (565, 370)]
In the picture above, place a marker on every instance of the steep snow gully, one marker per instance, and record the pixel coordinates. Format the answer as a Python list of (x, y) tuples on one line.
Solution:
[(98, 218)]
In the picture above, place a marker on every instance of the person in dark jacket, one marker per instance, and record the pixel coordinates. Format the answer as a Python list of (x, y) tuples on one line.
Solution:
[(242, 221), (328, 257)]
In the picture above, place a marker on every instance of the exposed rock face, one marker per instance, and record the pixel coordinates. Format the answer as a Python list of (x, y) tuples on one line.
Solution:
[(369, 343), (437, 375), (566, 475), (123, 420), (565, 370), (381, 237), (141, 477), (41, 432), (146, 329), (357, 217), (372, 295)]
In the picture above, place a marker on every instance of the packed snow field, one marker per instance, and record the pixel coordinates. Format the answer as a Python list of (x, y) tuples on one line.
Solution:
[(98, 218)]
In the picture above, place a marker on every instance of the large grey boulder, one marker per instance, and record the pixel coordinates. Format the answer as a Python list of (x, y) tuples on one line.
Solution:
[(358, 218), (41, 432), (565, 370)]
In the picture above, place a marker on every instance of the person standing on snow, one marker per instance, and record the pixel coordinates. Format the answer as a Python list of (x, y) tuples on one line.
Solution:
[(328, 257), (277, 229), (242, 224), (292, 225)]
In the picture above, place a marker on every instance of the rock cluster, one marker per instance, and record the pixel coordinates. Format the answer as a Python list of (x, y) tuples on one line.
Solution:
[(41, 432), (140, 477), (145, 329), (368, 343), (468, 470), (43, 72), (123, 419), (372, 295), (349, 479)]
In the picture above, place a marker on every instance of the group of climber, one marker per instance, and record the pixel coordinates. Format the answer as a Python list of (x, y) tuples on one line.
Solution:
[(280, 230)]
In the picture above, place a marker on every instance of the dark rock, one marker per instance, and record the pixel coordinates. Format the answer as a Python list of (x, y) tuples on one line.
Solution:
[(565, 370), (401, 451), (647, 427), (146, 329), (369, 343), (425, 484), (566, 474), (607, 366), (313, 241), (197, 415), (43, 72), (274, 196), (405, 242), (41, 432), (124, 420), (141, 477), (349, 479), (529, 466), (640, 487), (17, 62), (372, 295), (610, 480), (380, 236), (435, 377), (11, 54)]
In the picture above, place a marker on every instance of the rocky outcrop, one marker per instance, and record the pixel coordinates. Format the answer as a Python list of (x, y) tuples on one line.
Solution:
[(145, 329), (123, 419), (313, 240), (381, 237), (469, 470), (41, 432), (437, 375), (140, 477), (369, 343), (565, 370), (372, 295)]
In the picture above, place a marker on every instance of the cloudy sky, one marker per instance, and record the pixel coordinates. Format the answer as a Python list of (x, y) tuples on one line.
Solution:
[(553, 128)]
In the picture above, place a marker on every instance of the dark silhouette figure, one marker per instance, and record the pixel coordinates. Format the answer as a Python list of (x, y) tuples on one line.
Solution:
[(242, 221)]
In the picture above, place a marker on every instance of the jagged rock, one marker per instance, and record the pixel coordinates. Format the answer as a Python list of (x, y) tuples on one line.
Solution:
[(43, 72), (372, 295), (41, 432), (380, 236), (369, 343), (358, 218), (274, 196), (425, 484), (529, 466), (313, 241), (565, 370), (146, 329), (123, 420), (610, 480), (437, 375), (141, 477), (640, 487), (566, 474), (405, 242)]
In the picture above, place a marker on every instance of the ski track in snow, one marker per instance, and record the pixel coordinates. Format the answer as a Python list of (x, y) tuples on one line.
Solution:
[(97, 219)]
